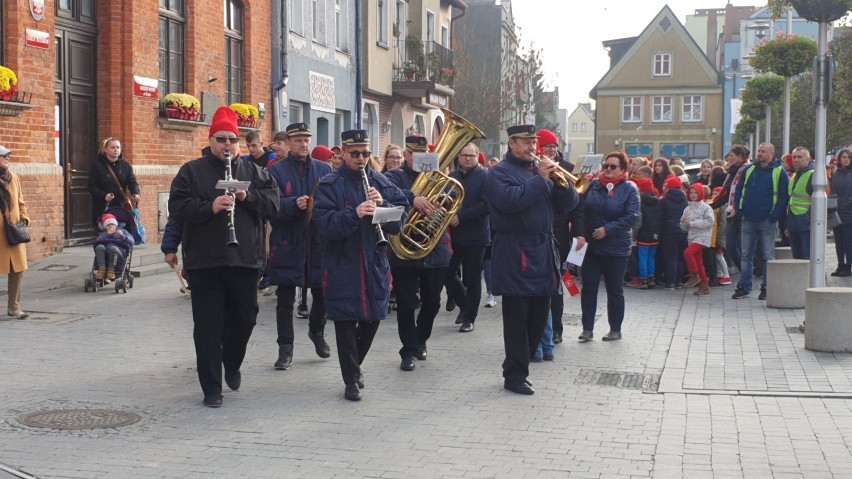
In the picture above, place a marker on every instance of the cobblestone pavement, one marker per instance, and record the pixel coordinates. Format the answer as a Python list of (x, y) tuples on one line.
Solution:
[(738, 397)]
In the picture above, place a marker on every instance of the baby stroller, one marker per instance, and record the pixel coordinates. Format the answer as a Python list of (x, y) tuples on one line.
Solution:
[(123, 275)]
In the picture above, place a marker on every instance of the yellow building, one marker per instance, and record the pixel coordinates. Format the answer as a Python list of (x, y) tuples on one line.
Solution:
[(661, 96)]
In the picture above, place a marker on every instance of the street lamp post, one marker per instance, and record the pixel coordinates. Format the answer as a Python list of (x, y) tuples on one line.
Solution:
[(819, 199)]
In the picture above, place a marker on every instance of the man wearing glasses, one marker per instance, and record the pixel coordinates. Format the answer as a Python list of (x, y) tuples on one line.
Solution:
[(354, 264), (522, 200), (471, 234), (410, 276), (223, 277), (294, 254)]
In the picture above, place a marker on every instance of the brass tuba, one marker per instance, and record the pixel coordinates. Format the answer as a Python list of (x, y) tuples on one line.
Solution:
[(421, 234)]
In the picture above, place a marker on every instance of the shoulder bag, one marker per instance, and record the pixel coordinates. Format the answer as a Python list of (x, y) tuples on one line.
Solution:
[(16, 233), (127, 202)]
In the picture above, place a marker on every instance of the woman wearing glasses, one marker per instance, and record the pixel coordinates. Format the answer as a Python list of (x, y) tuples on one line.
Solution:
[(110, 178), (611, 210), (392, 158)]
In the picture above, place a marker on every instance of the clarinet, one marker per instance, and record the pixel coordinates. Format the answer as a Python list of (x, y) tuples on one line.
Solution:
[(365, 182), (232, 232)]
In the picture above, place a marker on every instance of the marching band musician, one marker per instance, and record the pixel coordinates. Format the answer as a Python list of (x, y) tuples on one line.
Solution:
[(410, 276), (224, 277), (526, 271), (295, 253), (355, 271)]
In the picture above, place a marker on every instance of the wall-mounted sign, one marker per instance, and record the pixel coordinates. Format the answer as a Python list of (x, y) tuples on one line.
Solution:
[(38, 39), (322, 92), (37, 9), (145, 87), (438, 100)]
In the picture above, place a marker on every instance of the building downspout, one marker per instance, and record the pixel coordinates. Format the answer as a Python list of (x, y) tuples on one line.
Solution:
[(453, 20), (280, 76)]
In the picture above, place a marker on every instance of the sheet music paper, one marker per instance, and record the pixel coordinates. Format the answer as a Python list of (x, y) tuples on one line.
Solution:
[(384, 215), (232, 185), (425, 162), (576, 257)]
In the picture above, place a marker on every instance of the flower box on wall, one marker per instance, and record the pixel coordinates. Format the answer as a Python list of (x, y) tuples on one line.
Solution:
[(248, 116), (180, 111), (12, 101)]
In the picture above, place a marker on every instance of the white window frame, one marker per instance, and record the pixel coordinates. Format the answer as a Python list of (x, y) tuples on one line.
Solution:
[(339, 27), (689, 106), (382, 22), (575, 127), (372, 133), (584, 127), (660, 105), (635, 103), (662, 65), (401, 18), (590, 147), (296, 17)]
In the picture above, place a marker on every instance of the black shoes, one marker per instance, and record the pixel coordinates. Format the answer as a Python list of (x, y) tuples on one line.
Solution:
[(421, 352), (321, 346), (466, 327), (359, 380), (233, 379), (586, 336), (739, 293), (285, 357), (612, 336), (535, 359), (557, 338), (845, 273), (451, 304), (407, 364), (214, 400), (302, 311), (352, 393), (548, 356), (519, 388), (460, 316), (762, 295)]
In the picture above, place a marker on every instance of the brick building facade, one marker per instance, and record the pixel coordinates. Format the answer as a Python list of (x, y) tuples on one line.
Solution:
[(81, 78)]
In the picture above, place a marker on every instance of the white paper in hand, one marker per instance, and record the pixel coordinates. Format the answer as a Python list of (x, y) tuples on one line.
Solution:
[(425, 162), (384, 215), (576, 257)]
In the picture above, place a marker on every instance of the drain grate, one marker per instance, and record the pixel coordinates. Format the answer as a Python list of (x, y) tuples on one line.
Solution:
[(58, 267), (624, 380), (796, 329), (79, 419)]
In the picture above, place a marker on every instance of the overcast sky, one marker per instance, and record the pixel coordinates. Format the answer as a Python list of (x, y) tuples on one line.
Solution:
[(570, 33)]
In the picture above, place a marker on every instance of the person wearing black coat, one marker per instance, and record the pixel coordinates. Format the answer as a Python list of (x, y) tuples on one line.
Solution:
[(672, 237), (105, 190), (471, 233), (224, 276), (648, 236)]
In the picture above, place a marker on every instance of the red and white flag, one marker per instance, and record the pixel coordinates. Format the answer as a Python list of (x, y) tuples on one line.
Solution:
[(569, 283)]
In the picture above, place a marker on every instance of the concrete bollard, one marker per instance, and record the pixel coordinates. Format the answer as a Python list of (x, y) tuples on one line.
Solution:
[(827, 324), (783, 252), (786, 283)]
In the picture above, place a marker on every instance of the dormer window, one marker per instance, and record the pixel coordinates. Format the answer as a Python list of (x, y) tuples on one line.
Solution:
[(662, 64)]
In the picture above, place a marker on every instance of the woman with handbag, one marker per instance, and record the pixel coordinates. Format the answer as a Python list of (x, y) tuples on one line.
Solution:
[(110, 179), (13, 257)]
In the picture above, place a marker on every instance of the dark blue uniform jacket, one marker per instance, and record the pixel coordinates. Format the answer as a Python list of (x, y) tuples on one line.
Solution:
[(473, 228), (617, 213)]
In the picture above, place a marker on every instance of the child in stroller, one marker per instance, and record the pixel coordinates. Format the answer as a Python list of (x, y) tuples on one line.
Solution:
[(112, 247)]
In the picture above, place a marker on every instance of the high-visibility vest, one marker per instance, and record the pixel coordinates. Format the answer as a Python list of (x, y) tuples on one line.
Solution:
[(800, 200), (776, 175)]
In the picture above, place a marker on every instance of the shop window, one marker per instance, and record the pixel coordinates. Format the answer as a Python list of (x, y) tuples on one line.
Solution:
[(233, 52), (172, 47)]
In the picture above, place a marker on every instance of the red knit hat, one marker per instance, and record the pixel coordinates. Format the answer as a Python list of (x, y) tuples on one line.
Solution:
[(224, 120), (645, 184), (322, 153), (547, 137), (699, 188), (482, 158), (108, 219), (673, 183)]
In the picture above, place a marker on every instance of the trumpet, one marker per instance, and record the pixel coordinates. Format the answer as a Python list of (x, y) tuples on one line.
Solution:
[(365, 182), (232, 232), (563, 177)]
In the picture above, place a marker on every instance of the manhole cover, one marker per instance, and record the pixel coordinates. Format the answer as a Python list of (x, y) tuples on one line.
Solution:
[(645, 382), (59, 267), (79, 419), (796, 329)]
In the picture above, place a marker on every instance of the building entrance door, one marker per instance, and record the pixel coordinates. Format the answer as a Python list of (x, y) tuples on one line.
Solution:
[(76, 95)]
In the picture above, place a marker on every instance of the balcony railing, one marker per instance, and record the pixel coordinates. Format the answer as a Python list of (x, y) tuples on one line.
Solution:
[(419, 61)]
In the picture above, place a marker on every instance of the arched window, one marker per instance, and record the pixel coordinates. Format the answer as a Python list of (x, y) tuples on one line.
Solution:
[(172, 47), (233, 52)]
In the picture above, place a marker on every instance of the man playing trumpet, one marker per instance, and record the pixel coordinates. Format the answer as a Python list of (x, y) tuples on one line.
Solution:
[(522, 201), (224, 278)]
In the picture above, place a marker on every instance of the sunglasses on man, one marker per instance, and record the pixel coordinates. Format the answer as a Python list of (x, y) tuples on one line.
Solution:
[(227, 139), (359, 154)]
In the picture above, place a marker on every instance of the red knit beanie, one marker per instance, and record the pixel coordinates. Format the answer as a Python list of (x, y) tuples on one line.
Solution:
[(224, 120), (673, 183), (482, 158), (322, 153), (645, 185), (547, 137)]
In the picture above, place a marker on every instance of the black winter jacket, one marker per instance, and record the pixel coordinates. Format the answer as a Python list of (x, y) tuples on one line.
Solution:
[(101, 182), (652, 219), (205, 234)]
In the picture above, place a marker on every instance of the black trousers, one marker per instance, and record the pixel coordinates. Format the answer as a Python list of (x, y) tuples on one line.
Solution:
[(468, 291), (407, 282), (354, 339), (284, 313), (524, 320), (224, 312)]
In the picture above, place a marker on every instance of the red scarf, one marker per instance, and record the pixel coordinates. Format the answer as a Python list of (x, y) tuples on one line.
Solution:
[(613, 181)]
